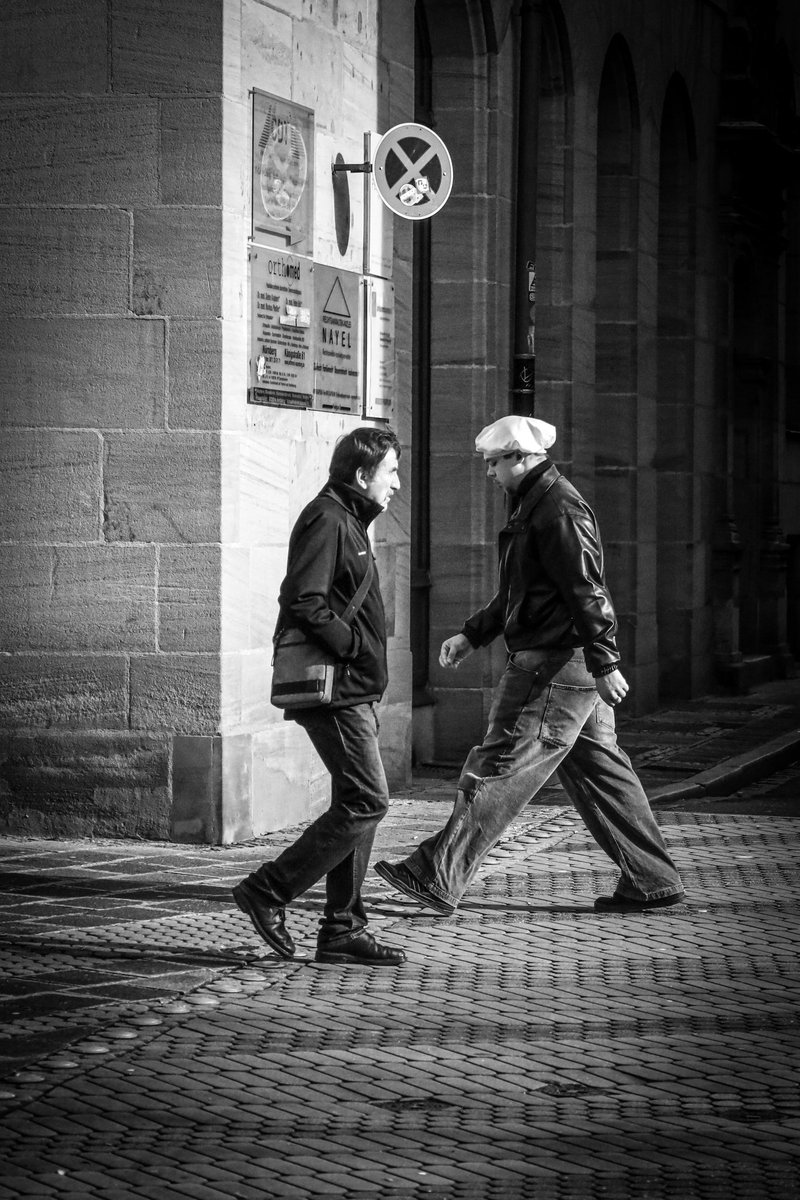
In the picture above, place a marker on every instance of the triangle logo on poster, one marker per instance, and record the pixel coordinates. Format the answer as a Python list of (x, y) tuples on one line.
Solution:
[(336, 304)]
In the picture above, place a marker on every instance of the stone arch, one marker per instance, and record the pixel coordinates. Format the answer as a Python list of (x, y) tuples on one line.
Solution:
[(462, 28), (617, 336), (676, 549)]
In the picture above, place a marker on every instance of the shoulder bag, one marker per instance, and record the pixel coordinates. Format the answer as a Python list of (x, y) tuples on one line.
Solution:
[(302, 669)]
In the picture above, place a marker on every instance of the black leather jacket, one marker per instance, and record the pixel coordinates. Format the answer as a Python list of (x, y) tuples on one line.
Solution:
[(329, 550), (552, 592)]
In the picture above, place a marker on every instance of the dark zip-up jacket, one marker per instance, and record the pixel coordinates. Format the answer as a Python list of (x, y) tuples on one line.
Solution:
[(552, 591), (329, 551)]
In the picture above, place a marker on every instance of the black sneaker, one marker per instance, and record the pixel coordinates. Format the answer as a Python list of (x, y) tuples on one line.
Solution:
[(403, 881)]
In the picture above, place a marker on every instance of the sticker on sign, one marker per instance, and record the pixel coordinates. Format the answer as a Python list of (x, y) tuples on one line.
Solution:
[(413, 171)]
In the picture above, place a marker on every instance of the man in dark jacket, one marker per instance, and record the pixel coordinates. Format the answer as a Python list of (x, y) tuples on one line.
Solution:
[(329, 553), (553, 709)]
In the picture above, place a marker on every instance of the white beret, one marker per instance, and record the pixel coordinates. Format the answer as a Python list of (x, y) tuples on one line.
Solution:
[(526, 434)]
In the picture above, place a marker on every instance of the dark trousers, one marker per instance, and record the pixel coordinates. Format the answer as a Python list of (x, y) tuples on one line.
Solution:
[(338, 843)]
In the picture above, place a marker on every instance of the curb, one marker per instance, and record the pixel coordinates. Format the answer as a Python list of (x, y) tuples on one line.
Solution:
[(731, 774)]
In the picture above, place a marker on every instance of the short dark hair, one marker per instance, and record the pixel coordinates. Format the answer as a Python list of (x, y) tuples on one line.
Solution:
[(363, 447)]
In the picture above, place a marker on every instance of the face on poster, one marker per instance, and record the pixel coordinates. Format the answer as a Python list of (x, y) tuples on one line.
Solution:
[(283, 173)]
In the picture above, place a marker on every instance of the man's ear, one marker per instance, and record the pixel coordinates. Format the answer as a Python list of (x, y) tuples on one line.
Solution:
[(361, 478)]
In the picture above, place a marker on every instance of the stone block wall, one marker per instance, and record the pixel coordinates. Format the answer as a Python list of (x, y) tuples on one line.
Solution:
[(145, 511), (110, 521)]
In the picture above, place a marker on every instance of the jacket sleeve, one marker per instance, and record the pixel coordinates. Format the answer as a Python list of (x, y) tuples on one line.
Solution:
[(572, 555), (305, 592), (485, 625)]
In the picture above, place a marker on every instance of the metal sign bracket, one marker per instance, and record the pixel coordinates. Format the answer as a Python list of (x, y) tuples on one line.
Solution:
[(364, 168)]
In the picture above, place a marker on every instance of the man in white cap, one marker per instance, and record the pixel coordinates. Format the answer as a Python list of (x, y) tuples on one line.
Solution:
[(553, 709)]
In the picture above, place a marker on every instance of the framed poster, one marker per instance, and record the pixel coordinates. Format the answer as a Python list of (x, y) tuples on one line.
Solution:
[(281, 329), (283, 173), (337, 340)]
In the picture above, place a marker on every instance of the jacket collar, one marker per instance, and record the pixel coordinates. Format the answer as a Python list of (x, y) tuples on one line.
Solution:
[(533, 487), (353, 500)]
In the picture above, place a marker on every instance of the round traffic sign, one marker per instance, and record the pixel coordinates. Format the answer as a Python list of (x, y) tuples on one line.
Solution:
[(412, 171)]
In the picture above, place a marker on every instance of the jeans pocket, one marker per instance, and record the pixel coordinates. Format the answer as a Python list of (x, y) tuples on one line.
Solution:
[(565, 713)]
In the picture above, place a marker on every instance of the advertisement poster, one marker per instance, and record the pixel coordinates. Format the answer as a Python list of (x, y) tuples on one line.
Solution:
[(337, 340), (379, 338), (283, 173), (281, 329)]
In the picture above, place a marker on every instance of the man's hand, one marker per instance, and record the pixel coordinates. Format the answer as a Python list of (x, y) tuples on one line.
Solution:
[(613, 688), (455, 650)]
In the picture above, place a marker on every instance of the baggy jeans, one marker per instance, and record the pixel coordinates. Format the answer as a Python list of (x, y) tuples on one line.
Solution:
[(546, 716), (338, 843)]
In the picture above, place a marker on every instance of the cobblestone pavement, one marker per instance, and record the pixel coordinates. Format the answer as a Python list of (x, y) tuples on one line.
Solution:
[(531, 1048)]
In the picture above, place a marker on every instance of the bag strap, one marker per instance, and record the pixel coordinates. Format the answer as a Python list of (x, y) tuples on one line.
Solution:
[(363, 588), (353, 606)]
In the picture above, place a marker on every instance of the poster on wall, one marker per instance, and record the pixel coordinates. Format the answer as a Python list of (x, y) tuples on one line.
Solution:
[(337, 340), (281, 329), (283, 173), (379, 344)]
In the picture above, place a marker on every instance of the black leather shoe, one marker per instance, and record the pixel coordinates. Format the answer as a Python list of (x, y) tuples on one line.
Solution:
[(267, 919), (361, 950), (627, 904), (401, 878)]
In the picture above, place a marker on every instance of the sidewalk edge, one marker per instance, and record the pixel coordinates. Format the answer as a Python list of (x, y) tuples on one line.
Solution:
[(734, 772)]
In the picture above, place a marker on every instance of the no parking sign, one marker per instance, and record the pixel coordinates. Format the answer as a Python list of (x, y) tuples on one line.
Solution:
[(413, 171)]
